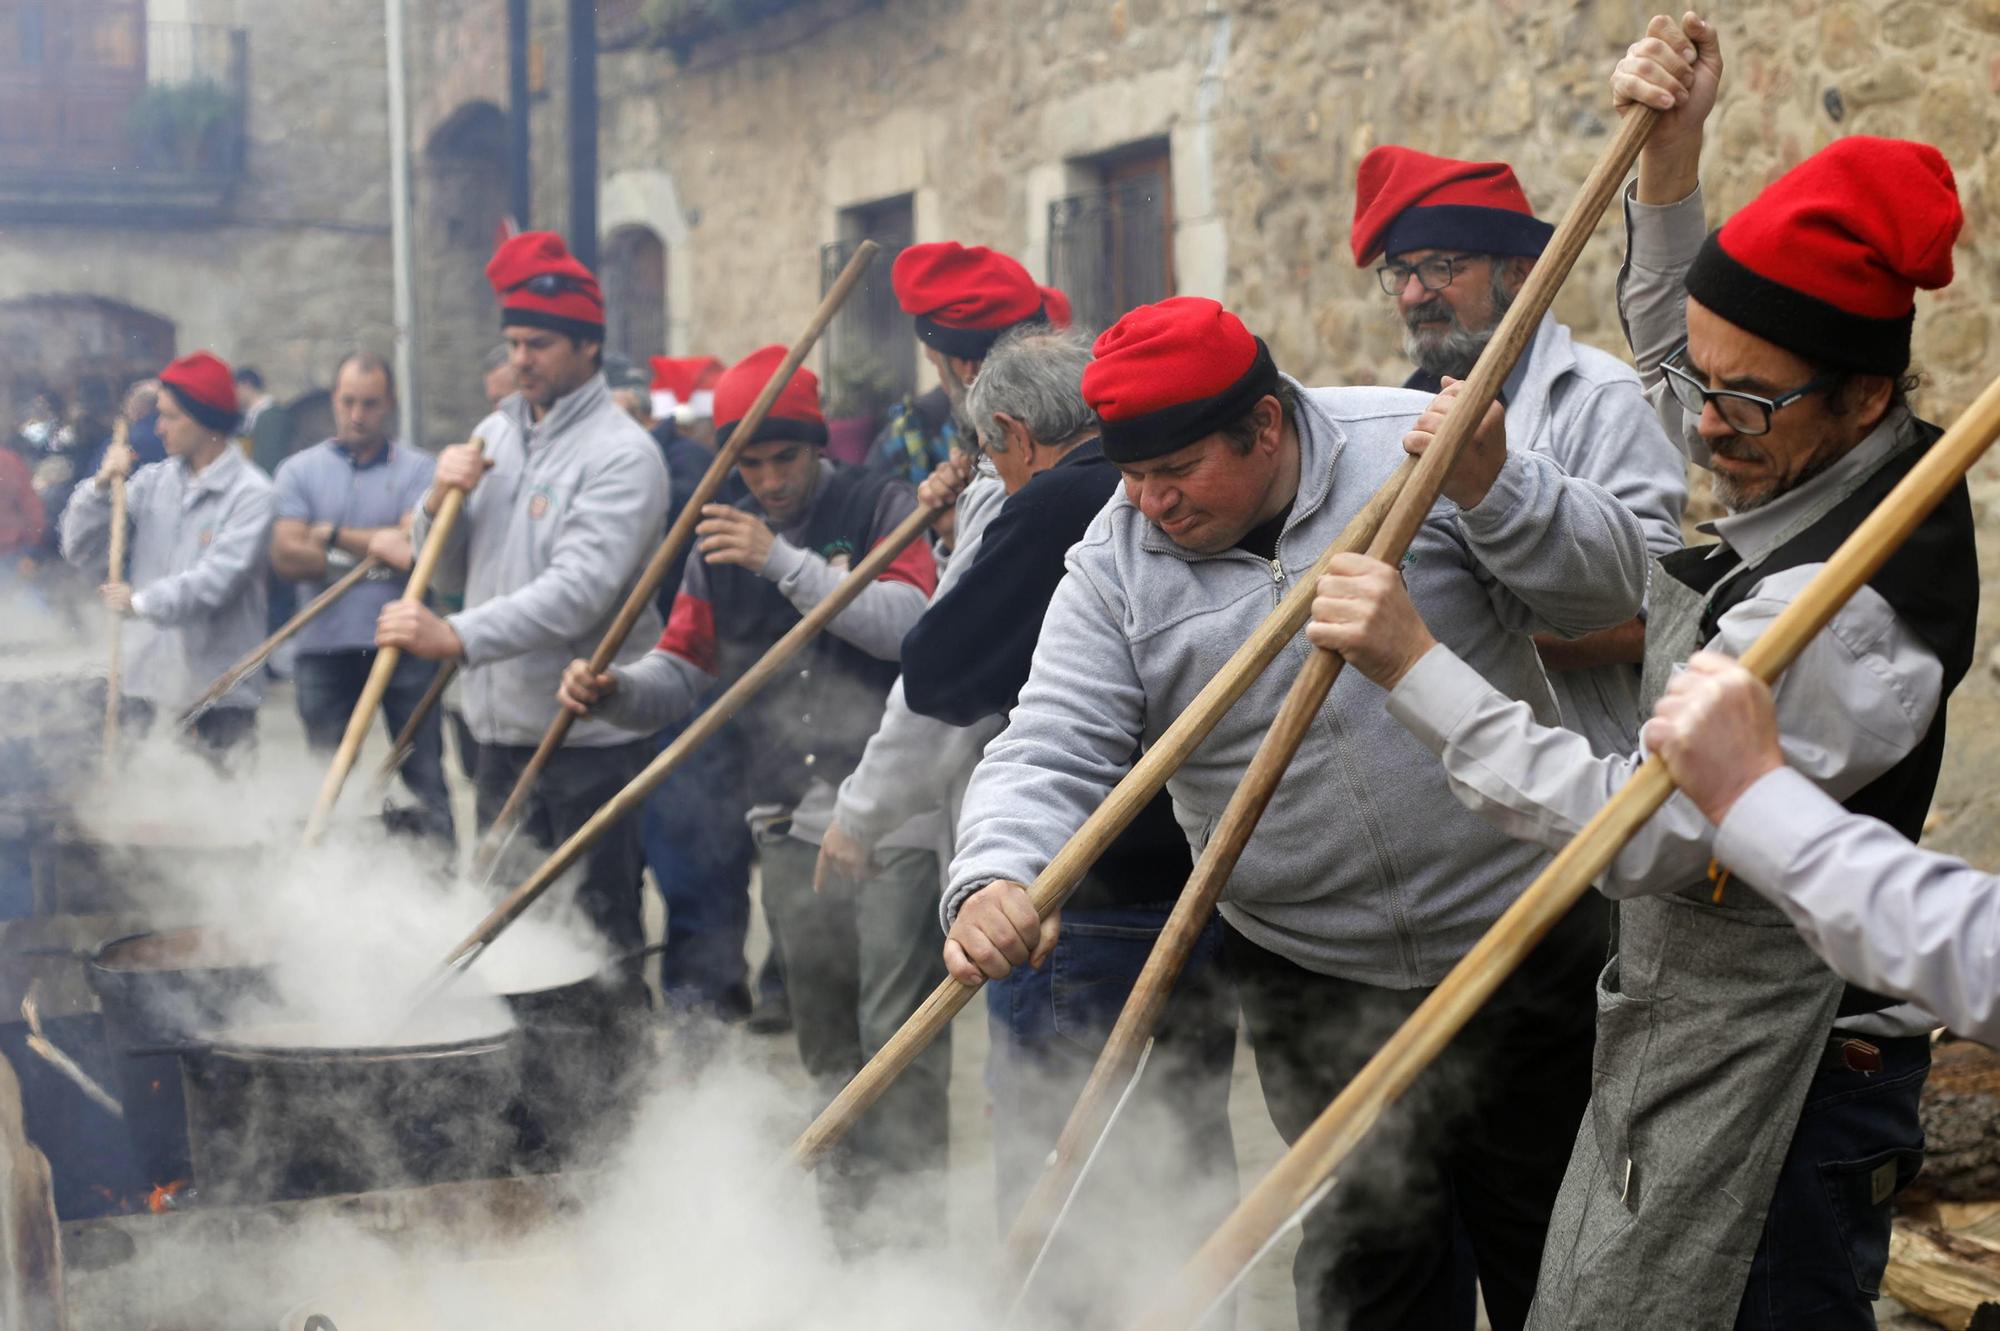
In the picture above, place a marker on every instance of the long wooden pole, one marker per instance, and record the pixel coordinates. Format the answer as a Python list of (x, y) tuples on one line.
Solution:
[(386, 659), (1322, 1147), (115, 649), (406, 738), (648, 585), (1148, 1000), (261, 653), (1146, 779), (732, 701)]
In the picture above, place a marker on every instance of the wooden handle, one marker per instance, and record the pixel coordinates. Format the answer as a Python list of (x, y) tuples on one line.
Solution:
[(1141, 1015), (261, 653), (386, 659), (115, 649), (406, 738), (732, 701), (1146, 779), (677, 539), (1320, 1150)]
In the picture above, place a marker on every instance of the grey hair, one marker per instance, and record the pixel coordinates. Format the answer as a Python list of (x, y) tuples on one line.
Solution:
[(494, 359), (1034, 374)]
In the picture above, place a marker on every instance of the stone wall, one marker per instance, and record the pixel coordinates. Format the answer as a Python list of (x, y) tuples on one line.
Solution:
[(299, 270), (975, 109)]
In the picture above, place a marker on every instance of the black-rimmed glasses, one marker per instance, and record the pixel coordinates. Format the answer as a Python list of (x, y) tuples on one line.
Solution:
[(1745, 413), (1432, 274)]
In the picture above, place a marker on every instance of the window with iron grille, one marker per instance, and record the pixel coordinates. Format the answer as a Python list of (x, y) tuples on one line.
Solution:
[(869, 358), (1111, 247)]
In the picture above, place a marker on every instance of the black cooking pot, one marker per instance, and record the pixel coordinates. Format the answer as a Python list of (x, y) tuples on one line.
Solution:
[(581, 1043), (274, 1117), (159, 992)]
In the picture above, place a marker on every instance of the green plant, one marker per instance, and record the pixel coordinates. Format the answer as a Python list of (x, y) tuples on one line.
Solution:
[(182, 124), (859, 386)]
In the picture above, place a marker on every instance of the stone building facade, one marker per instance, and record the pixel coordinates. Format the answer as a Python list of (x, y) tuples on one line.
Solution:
[(280, 260), (743, 150)]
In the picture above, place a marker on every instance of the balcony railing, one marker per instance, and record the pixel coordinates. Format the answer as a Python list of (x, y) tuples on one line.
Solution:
[(115, 119)]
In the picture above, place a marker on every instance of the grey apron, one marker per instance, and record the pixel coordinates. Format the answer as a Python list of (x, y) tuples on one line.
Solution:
[(1711, 1020)]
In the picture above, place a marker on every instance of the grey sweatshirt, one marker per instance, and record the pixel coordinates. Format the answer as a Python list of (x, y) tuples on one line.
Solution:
[(196, 565), (1364, 866), (549, 545)]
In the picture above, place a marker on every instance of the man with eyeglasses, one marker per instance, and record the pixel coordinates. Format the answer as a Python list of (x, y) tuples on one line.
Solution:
[(1753, 1115), (562, 511), (1457, 240)]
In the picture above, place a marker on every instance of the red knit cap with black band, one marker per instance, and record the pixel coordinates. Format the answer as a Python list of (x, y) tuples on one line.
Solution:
[(796, 413), (205, 389), (964, 297), (1826, 261), (685, 381), (1168, 375), (541, 285), (1056, 308), (1405, 200)]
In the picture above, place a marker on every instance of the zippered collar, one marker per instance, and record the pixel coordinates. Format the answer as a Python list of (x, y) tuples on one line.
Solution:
[(593, 395), (1321, 441), (218, 477)]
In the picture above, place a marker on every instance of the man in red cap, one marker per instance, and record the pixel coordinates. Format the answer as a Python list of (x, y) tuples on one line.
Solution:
[(194, 585), (856, 965), (1366, 879), (562, 512), (1457, 240), (1753, 1115)]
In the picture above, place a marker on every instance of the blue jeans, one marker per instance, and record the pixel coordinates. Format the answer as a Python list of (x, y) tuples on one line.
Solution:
[(700, 852), (1047, 1028), (1826, 1240), (327, 684)]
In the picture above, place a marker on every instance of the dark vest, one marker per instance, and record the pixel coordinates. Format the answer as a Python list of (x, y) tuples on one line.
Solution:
[(815, 718), (1931, 582)]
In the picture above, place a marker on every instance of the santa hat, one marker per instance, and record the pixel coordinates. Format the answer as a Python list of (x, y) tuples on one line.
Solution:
[(964, 297), (541, 285), (685, 385), (796, 413), (1055, 305), (1405, 200), (205, 389), (1826, 261), (1167, 375)]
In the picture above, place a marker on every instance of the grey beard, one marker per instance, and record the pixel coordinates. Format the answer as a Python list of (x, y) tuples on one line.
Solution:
[(1457, 351)]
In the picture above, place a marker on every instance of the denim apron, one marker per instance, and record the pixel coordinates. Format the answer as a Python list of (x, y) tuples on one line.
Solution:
[(1711, 1020)]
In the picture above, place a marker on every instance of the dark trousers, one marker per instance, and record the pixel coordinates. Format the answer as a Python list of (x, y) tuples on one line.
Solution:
[(700, 851), (327, 685), (576, 784), (1171, 1138), (224, 735), (1826, 1241), (1469, 1159)]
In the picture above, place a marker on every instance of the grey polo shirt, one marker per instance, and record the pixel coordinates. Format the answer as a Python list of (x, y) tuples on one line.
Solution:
[(325, 484)]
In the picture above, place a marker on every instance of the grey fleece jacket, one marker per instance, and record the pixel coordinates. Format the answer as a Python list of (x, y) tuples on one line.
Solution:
[(549, 545), (1365, 865)]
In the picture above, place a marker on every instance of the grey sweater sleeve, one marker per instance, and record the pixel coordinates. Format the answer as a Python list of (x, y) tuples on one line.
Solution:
[(1070, 739), (876, 620), (1562, 553), (1661, 242), (1616, 442), (449, 575), (605, 535), (86, 525), (653, 692)]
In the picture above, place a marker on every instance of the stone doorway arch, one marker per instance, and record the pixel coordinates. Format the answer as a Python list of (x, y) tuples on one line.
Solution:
[(461, 207), (85, 348)]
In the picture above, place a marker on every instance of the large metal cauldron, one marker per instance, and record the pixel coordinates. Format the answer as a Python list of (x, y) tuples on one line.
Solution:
[(159, 993), (274, 1116), (580, 1046)]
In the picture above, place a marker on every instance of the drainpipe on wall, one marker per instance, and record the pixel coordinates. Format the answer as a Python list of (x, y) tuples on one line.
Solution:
[(583, 131), (402, 261), (518, 201)]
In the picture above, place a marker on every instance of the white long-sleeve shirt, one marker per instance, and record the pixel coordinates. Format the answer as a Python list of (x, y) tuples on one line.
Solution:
[(1879, 911)]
